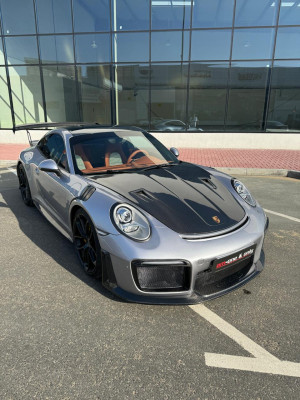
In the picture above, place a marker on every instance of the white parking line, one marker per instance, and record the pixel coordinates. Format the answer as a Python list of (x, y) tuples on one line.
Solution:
[(12, 170), (282, 215), (263, 361)]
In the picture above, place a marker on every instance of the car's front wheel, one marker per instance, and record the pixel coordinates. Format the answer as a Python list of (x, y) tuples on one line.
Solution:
[(86, 244), (24, 186)]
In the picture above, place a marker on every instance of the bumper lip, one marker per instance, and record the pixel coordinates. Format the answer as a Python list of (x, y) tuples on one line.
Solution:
[(191, 298)]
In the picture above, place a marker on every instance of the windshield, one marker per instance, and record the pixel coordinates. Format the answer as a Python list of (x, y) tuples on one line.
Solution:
[(117, 151)]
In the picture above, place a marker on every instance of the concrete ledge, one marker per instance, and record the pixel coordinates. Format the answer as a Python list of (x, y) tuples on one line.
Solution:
[(219, 140), (8, 163), (20, 137), (223, 140), (253, 171)]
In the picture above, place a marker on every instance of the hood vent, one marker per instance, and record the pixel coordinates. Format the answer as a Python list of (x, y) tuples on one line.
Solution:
[(142, 194), (208, 182)]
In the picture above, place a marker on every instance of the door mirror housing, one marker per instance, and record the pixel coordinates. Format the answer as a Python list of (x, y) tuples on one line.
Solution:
[(174, 151), (49, 166)]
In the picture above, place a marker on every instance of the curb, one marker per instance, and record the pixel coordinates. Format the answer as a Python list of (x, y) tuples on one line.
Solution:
[(227, 170), (253, 171), (8, 163), (260, 172)]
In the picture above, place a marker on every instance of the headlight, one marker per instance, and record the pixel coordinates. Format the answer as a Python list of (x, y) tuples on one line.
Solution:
[(241, 190), (131, 222)]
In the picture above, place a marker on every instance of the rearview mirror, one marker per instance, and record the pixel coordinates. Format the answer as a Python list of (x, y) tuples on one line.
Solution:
[(49, 166), (174, 151)]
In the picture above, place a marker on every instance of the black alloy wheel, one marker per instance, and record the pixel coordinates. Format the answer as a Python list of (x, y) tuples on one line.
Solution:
[(24, 186), (87, 244)]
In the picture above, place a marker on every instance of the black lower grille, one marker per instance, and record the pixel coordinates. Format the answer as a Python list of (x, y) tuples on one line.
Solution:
[(152, 276), (209, 282)]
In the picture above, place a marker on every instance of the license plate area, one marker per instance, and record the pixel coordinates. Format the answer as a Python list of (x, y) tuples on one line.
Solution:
[(220, 264)]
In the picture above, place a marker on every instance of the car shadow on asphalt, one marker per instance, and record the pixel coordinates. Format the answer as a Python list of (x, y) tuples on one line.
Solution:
[(48, 238)]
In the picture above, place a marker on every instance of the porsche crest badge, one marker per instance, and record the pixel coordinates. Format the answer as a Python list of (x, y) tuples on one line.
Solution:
[(216, 219)]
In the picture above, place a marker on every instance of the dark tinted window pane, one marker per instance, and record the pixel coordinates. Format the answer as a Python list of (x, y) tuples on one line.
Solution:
[(284, 106), (91, 15), (131, 47), (211, 45), (54, 148), (54, 16), (18, 17), (93, 48), (170, 46), (253, 43), (247, 96), (288, 43), (57, 49), (171, 14), (290, 13), (27, 94), (132, 94), (60, 93), (130, 15), (207, 95), (168, 97), (212, 13), (22, 50), (95, 90), (256, 12), (5, 113)]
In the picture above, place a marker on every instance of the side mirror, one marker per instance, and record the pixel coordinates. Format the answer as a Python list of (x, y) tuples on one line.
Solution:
[(49, 166), (174, 151)]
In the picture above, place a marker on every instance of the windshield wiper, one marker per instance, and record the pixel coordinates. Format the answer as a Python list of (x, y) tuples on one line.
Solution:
[(160, 166), (112, 172), (124, 171)]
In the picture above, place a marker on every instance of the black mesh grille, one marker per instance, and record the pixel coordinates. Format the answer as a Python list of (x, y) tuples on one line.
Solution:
[(209, 282), (165, 277)]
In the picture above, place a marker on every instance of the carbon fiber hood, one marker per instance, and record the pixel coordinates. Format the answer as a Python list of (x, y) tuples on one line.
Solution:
[(184, 197)]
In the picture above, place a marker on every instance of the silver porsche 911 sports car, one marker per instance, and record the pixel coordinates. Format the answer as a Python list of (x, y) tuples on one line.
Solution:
[(154, 229)]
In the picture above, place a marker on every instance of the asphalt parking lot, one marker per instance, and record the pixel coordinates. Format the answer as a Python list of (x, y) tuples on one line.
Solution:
[(62, 336)]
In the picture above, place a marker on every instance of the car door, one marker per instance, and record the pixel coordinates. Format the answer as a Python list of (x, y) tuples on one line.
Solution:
[(55, 189)]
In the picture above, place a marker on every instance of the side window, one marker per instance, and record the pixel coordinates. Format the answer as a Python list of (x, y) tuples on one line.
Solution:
[(42, 146), (53, 146)]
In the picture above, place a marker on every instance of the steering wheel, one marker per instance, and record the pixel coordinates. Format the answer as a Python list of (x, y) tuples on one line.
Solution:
[(130, 158)]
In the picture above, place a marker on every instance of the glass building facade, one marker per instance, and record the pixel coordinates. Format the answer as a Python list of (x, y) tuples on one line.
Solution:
[(169, 65)]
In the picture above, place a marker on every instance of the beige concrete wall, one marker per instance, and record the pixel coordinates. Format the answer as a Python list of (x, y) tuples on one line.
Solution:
[(287, 141), (7, 136)]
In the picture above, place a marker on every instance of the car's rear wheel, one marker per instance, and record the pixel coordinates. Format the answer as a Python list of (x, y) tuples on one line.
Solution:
[(24, 186), (86, 244)]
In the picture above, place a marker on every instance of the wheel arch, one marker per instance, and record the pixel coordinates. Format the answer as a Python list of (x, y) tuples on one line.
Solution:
[(73, 212)]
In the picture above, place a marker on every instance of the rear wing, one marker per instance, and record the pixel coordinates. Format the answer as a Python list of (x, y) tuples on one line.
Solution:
[(47, 126), (67, 125)]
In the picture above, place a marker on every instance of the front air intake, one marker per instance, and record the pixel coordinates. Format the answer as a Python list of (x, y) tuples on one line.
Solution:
[(160, 275)]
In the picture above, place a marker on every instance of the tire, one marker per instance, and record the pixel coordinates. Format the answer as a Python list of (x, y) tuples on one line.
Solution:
[(24, 186), (87, 244)]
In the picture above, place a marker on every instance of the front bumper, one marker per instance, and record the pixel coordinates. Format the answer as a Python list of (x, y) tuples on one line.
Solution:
[(185, 297), (120, 254)]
